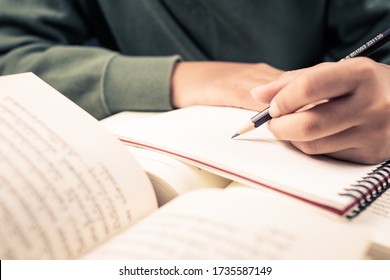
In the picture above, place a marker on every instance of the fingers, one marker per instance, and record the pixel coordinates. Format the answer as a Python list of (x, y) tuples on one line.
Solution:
[(337, 128), (321, 82), (266, 92), (336, 132), (320, 121), (349, 145), (337, 109), (329, 144)]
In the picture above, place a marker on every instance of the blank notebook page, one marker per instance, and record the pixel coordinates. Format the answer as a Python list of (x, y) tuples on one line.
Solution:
[(203, 134)]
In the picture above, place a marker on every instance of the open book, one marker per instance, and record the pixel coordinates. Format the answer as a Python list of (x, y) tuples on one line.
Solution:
[(69, 189), (201, 135), (169, 177)]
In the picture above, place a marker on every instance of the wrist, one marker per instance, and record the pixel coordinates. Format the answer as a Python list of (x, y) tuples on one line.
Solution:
[(186, 83)]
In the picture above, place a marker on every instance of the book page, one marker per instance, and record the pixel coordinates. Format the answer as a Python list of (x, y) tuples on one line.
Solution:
[(202, 135), (170, 177), (235, 223), (66, 184), (375, 220)]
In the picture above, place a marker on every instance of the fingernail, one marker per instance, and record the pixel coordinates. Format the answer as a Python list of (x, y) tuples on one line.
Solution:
[(273, 109)]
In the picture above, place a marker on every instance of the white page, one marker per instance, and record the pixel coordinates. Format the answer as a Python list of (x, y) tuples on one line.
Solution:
[(170, 177), (202, 135), (236, 223), (65, 183)]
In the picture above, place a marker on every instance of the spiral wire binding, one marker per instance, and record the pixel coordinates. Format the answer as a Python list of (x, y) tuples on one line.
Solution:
[(369, 188)]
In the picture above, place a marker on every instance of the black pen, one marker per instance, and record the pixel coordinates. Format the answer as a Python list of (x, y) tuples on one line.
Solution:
[(364, 50)]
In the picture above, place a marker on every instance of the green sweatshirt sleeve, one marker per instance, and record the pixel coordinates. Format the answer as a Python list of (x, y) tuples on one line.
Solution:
[(147, 78), (46, 37)]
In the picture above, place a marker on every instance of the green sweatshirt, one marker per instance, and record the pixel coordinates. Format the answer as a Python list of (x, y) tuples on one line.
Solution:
[(135, 43)]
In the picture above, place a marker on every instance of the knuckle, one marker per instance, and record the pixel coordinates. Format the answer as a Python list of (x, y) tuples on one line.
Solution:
[(309, 128), (307, 86), (370, 148), (282, 103), (365, 67), (310, 147), (369, 158)]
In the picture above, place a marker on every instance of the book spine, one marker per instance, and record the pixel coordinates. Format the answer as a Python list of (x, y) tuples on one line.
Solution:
[(368, 189)]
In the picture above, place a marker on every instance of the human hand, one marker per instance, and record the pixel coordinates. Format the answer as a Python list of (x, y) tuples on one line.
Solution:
[(219, 83), (351, 120)]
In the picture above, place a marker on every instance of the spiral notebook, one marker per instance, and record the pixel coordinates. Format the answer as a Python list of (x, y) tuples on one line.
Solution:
[(201, 135)]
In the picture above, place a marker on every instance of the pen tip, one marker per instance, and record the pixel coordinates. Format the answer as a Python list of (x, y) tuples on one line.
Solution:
[(235, 135)]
